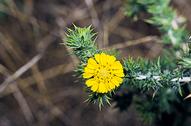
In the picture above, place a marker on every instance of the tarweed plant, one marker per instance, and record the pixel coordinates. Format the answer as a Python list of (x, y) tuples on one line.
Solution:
[(103, 74), (155, 87)]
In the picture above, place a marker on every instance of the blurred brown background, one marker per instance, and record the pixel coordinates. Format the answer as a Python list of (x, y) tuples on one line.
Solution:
[(38, 86)]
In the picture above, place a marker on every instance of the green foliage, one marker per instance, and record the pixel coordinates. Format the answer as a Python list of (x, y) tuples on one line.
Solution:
[(133, 8), (82, 41), (154, 86), (147, 75), (186, 62), (146, 108), (162, 16), (99, 99), (152, 109), (156, 98)]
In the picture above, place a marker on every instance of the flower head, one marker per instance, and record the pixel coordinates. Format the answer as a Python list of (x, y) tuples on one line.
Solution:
[(103, 73)]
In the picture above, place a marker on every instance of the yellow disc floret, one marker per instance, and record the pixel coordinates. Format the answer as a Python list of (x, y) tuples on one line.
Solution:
[(103, 73)]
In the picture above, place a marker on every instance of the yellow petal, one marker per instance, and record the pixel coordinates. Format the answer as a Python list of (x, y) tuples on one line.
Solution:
[(92, 64), (103, 59), (97, 57), (117, 81), (118, 73), (108, 87), (93, 67), (102, 88), (88, 70), (87, 75), (91, 61), (91, 82), (110, 59), (117, 65), (94, 87), (111, 85)]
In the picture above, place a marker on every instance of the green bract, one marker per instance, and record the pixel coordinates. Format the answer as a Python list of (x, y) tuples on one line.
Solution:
[(82, 41)]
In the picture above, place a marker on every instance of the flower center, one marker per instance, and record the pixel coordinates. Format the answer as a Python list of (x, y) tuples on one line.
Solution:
[(103, 73)]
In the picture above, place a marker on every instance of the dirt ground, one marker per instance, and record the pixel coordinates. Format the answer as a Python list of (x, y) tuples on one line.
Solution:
[(49, 93)]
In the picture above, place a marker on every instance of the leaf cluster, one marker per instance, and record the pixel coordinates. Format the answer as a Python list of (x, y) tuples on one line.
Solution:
[(153, 109), (162, 16), (82, 41), (149, 75)]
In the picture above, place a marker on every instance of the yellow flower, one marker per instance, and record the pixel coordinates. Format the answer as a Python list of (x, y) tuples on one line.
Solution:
[(103, 73)]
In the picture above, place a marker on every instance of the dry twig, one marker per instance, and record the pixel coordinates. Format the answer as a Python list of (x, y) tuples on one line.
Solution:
[(135, 42), (19, 97)]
